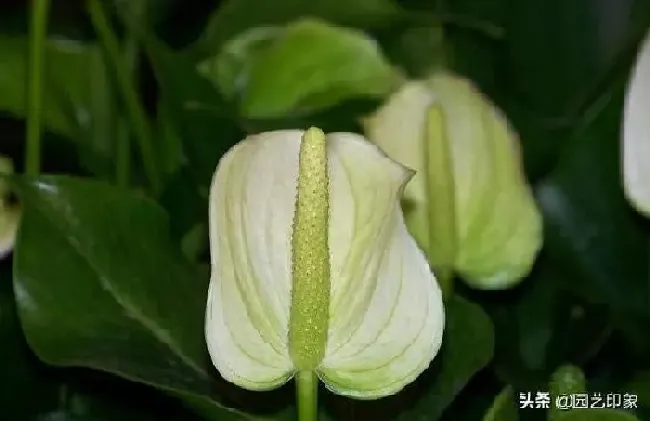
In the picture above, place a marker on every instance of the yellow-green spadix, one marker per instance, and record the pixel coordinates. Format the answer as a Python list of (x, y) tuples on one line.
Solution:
[(469, 205), (313, 268), (636, 133)]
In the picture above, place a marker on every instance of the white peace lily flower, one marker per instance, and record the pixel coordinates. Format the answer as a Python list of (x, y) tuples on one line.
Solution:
[(9, 213), (636, 133), (313, 269), (498, 228)]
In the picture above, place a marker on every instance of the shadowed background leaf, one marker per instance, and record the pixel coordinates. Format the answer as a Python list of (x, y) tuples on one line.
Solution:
[(110, 308)]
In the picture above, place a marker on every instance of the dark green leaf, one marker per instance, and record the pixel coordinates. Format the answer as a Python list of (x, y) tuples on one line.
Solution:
[(27, 388), (416, 49), (592, 233), (559, 50), (92, 395), (60, 416), (475, 57), (541, 139), (475, 399), (185, 206), (462, 11), (492, 12), (599, 415), (229, 70), (150, 11), (198, 114), (169, 148), (540, 325), (71, 75), (640, 385), (99, 285), (77, 100), (503, 408), (236, 16)]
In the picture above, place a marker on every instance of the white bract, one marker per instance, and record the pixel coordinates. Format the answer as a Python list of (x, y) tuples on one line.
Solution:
[(9, 212), (636, 133), (484, 192), (382, 307)]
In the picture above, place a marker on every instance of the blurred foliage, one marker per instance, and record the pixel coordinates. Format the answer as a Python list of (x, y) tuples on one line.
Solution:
[(101, 305)]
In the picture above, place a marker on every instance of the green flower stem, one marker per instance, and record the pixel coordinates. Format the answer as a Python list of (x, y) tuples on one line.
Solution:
[(126, 87), (442, 213), (131, 53), (122, 154), (123, 150), (307, 395), (37, 34)]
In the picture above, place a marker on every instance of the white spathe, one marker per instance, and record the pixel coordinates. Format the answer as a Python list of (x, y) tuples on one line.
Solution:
[(636, 133), (386, 314), (9, 213), (498, 225)]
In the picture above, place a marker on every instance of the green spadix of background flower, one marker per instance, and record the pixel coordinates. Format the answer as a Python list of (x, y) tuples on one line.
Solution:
[(469, 204), (313, 269)]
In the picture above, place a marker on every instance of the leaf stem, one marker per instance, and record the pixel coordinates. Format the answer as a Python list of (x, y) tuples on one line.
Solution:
[(307, 396), (122, 154), (131, 55), (127, 89), (36, 53)]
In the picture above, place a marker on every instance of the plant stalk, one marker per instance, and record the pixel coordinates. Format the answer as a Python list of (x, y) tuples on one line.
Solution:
[(36, 56), (126, 86), (131, 52), (307, 396)]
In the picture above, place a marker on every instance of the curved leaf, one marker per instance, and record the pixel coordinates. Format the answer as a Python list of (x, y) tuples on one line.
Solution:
[(314, 65), (28, 389), (228, 70), (593, 414), (69, 88), (591, 231), (503, 408), (98, 284)]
